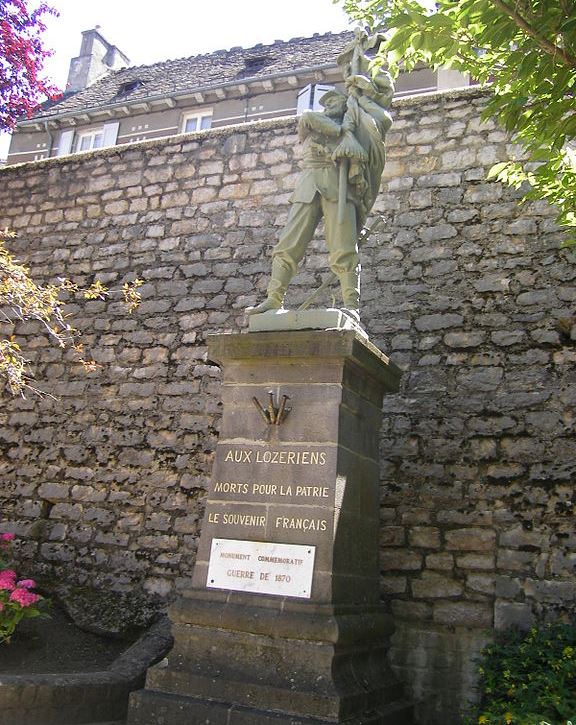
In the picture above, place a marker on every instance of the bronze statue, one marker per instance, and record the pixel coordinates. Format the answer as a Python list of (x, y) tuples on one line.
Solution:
[(343, 160)]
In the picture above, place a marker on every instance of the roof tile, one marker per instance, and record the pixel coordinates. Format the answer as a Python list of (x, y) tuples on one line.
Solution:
[(173, 77)]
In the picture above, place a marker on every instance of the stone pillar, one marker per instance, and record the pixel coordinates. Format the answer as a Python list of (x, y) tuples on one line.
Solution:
[(282, 623)]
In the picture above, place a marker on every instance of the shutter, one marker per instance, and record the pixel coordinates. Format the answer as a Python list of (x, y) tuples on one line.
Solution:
[(65, 145), (110, 133), (304, 100), (319, 91)]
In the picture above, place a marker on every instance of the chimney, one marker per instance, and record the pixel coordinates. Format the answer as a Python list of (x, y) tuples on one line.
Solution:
[(97, 58)]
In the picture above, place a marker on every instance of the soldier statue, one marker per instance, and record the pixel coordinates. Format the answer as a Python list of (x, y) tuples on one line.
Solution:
[(343, 160)]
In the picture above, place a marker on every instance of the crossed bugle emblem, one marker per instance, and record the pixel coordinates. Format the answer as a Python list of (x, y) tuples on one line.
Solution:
[(273, 414)]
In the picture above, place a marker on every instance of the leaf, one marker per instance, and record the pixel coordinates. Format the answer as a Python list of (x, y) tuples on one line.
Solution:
[(496, 169), (568, 26)]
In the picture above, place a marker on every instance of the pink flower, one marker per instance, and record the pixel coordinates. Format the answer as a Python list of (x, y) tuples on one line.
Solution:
[(7, 537), (7, 579), (27, 583), (24, 597)]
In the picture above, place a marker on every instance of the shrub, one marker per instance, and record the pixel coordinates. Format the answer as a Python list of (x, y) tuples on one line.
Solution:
[(529, 678), (17, 600)]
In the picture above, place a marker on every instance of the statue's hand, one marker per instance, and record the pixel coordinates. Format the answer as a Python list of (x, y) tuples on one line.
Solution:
[(359, 82), (309, 119), (314, 122)]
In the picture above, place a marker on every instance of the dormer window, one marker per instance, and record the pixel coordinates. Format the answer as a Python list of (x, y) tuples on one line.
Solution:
[(253, 64), (256, 62), (129, 87)]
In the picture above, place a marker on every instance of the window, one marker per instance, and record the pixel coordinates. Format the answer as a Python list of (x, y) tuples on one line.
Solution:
[(254, 64), (90, 140), (309, 98), (128, 87), (197, 121)]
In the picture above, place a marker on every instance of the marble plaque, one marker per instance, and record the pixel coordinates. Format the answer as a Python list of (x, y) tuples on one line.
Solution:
[(261, 567)]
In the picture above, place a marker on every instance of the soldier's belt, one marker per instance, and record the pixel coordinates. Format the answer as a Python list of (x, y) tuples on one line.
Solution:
[(317, 164)]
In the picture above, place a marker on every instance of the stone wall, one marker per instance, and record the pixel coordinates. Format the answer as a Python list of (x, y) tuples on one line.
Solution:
[(462, 287)]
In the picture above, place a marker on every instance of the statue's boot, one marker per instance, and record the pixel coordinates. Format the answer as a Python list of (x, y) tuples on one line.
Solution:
[(350, 286), (279, 281)]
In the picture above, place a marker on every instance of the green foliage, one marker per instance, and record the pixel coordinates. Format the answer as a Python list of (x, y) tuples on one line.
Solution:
[(526, 49), (529, 678), (22, 300)]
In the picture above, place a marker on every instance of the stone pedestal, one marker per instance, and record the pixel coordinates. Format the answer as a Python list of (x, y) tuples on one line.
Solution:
[(282, 623)]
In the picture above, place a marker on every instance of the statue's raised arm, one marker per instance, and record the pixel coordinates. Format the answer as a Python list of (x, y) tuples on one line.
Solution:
[(343, 160)]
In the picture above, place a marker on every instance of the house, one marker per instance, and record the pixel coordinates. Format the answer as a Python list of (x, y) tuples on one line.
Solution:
[(108, 103)]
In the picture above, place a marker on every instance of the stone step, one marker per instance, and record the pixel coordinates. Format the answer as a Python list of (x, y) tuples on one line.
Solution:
[(149, 707)]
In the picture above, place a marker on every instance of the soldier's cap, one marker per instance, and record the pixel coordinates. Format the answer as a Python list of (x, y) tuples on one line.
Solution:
[(332, 93)]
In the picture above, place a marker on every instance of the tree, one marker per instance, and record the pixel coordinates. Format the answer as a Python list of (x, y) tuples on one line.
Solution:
[(22, 56), (526, 50), (23, 300)]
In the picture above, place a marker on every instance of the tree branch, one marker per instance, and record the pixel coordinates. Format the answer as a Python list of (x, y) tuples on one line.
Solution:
[(544, 43)]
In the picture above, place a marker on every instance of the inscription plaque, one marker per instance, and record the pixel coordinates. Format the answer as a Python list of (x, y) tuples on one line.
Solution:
[(261, 567)]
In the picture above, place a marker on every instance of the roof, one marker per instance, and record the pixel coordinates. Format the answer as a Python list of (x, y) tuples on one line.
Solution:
[(221, 68)]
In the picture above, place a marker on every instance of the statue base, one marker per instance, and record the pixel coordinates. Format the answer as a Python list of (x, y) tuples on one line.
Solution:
[(331, 318), (238, 660), (282, 623)]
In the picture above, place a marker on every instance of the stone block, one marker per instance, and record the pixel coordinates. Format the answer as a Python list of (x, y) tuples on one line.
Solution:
[(483, 583), (542, 298), (470, 539), (478, 518), (464, 339), (437, 233), (423, 136), (439, 180), (66, 511), (518, 536), (88, 493), (523, 449), (513, 614), (428, 323), (467, 614), (112, 539), (435, 586), (505, 472), (99, 516), (400, 560), (507, 587), (391, 585), (411, 611), (52, 491), (427, 537), (392, 536), (442, 561), (506, 338), (476, 561), (158, 521), (513, 560), (558, 592), (416, 516), (481, 379)]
